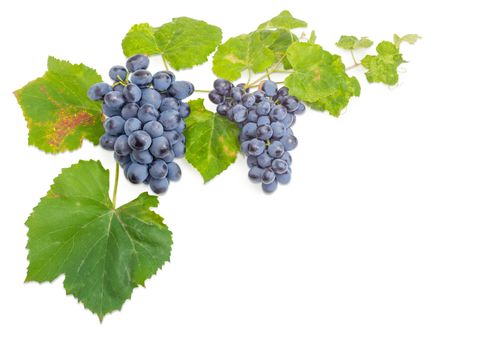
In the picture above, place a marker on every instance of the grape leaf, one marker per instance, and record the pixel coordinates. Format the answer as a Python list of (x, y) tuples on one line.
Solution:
[(284, 20), (184, 42), (350, 42), (211, 141), (382, 68), (246, 51), (312, 37), (278, 41), (103, 252), (319, 78), (58, 112), (408, 38)]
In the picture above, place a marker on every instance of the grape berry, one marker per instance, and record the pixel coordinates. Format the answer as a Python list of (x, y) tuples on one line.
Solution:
[(145, 121), (265, 118)]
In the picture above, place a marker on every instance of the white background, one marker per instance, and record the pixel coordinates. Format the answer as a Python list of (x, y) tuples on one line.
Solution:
[(376, 244)]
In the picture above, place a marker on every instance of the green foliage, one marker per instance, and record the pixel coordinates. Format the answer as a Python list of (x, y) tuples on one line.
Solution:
[(184, 42), (382, 68), (284, 20), (319, 78), (211, 141), (408, 38), (103, 252), (58, 112), (246, 51), (350, 42)]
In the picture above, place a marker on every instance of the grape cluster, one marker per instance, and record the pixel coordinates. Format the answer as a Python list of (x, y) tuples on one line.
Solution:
[(145, 121), (265, 118)]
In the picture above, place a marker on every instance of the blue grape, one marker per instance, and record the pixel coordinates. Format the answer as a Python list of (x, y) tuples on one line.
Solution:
[(142, 157), (107, 142), (179, 149), (284, 178), (263, 108), (152, 97), (170, 119), (159, 186), (158, 169), (223, 109), (216, 97), (147, 113), (270, 187), (252, 116), (184, 110), (264, 132), (276, 149), (160, 147), (282, 92), (287, 157), (121, 146), (169, 103), (162, 81), (263, 120), (154, 128), (173, 137), (255, 147), (291, 103), (132, 93), (269, 87), (122, 160), (168, 157), (110, 112), (181, 126), (137, 62), (252, 161), (300, 109), (137, 173), (118, 73), (239, 113), (278, 113), (131, 125), (118, 87), (114, 125), (248, 100), (174, 171), (98, 91), (114, 100), (237, 93), (139, 140), (181, 89), (278, 130), (268, 176), (279, 166), (222, 86), (259, 96), (249, 130), (289, 120), (130, 110), (264, 160), (289, 142), (141, 77), (255, 174)]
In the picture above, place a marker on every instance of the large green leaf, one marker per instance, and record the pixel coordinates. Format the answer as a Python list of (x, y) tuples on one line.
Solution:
[(284, 20), (211, 140), (246, 51), (58, 112), (319, 78), (350, 42), (184, 42), (382, 68), (104, 252)]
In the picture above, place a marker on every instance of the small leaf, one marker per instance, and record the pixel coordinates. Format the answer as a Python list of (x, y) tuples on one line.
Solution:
[(284, 20), (103, 252), (319, 78), (312, 37), (382, 68), (58, 112), (211, 141), (184, 42), (409, 38), (350, 42), (246, 51)]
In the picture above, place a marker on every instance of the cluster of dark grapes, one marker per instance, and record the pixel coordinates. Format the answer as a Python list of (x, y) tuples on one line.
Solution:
[(145, 121), (265, 118)]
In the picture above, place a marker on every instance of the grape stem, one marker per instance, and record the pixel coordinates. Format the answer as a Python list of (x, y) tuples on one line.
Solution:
[(165, 63), (267, 74), (353, 66), (354, 58), (203, 91), (116, 182)]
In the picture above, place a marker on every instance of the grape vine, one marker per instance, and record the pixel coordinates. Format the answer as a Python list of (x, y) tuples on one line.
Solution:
[(264, 79)]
